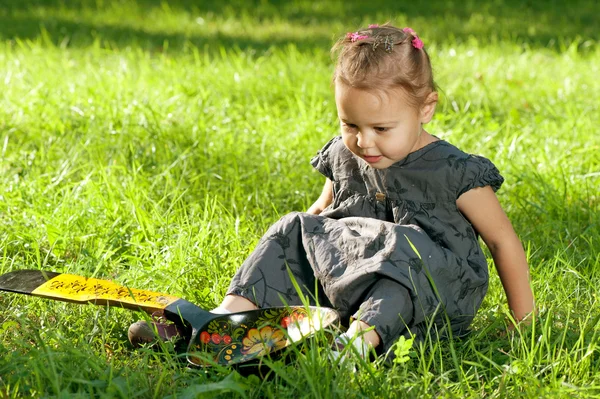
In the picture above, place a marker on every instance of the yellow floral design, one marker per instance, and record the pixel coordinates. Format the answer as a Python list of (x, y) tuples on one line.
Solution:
[(263, 341)]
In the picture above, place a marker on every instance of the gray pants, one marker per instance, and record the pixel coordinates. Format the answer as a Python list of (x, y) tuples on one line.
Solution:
[(265, 279), (366, 269)]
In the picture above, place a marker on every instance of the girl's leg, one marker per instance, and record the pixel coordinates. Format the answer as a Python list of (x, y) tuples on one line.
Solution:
[(388, 308), (275, 269), (234, 303)]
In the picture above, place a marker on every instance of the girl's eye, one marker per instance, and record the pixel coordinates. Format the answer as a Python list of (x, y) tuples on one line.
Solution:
[(381, 129), (349, 126)]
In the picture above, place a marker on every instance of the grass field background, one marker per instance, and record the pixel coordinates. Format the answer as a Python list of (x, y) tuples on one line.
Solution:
[(153, 143)]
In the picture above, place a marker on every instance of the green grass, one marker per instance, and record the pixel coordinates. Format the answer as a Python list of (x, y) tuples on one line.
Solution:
[(154, 142)]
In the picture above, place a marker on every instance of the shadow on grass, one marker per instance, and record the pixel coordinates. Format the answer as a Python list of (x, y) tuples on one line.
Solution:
[(552, 23), (81, 35)]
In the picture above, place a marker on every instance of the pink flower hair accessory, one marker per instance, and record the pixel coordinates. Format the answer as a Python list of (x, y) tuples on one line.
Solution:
[(416, 41), (355, 36), (373, 26)]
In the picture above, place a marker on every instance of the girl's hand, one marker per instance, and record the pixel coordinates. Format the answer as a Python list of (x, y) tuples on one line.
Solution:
[(481, 207), (324, 200), (524, 322)]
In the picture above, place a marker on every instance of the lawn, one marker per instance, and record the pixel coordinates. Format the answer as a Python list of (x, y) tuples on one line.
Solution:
[(153, 143)]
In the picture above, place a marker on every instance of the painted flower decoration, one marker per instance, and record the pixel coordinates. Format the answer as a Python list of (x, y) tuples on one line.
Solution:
[(204, 337), (263, 341), (355, 36)]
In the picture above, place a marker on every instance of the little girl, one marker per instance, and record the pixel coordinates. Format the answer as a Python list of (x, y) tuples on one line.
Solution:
[(392, 242)]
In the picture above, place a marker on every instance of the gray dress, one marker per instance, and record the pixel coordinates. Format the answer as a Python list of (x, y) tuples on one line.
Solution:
[(392, 249)]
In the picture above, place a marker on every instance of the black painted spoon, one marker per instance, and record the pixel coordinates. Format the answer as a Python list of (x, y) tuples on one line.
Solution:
[(211, 338)]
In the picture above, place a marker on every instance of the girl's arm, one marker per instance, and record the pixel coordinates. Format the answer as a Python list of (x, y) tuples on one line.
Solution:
[(324, 200), (481, 207)]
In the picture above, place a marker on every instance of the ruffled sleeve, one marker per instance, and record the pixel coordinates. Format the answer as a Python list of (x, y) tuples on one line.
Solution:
[(479, 172), (322, 161)]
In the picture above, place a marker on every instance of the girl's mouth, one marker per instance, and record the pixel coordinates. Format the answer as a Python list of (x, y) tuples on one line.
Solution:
[(372, 158)]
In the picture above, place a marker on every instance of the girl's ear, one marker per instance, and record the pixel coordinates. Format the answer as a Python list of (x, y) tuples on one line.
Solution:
[(428, 107)]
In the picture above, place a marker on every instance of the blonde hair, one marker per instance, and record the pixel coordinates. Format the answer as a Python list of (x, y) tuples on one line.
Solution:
[(384, 57)]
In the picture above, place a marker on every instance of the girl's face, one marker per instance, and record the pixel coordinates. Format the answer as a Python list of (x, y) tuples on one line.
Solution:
[(382, 128)]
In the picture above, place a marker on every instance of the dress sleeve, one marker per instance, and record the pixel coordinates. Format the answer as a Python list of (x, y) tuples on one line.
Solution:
[(479, 172), (323, 160)]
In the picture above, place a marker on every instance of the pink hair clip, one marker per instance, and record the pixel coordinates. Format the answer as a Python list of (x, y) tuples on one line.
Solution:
[(354, 36), (416, 42)]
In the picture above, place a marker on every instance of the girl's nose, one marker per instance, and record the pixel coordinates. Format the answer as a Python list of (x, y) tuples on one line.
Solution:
[(364, 140)]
